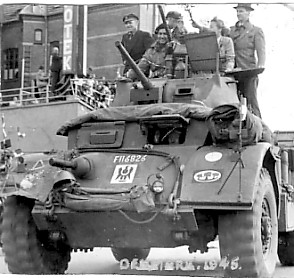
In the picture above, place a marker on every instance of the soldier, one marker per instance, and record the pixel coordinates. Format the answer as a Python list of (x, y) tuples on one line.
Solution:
[(154, 58), (248, 40), (175, 23), (135, 41), (55, 68), (41, 79)]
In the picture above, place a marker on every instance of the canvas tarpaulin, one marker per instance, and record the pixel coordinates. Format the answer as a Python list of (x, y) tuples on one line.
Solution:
[(133, 113)]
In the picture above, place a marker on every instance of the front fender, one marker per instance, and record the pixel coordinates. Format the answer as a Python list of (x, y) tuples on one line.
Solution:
[(35, 182), (213, 179)]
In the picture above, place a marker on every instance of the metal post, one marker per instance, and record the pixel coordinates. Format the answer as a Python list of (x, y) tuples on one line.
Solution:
[(81, 34), (22, 79), (46, 40), (186, 66), (47, 93), (1, 33), (85, 40)]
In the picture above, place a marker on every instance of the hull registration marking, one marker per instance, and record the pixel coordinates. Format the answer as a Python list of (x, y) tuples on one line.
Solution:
[(135, 158), (124, 173), (207, 176)]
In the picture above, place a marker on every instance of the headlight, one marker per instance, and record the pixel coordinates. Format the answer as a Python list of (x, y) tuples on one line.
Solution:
[(157, 185)]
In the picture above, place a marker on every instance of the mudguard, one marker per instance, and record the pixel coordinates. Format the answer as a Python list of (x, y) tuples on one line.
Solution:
[(215, 178), (35, 181)]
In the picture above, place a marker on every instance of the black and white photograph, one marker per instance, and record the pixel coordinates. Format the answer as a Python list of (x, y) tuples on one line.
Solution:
[(147, 138)]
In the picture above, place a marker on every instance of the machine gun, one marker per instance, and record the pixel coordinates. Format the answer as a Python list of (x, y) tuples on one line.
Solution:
[(144, 80), (164, 22)]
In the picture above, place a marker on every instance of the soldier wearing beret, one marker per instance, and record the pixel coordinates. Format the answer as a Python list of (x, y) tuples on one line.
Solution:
[(175, 23), (248, 41), (153, 62), (135, 41)]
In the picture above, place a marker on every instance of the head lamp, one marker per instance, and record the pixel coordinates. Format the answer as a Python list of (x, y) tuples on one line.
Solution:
[(157, 186), (156, 183)]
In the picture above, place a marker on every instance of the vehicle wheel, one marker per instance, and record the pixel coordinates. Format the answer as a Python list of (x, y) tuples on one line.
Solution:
[(249, 239), (26, 249), (130, 253), (286, 248)]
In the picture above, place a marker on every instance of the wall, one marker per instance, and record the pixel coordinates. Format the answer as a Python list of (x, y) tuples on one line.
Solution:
[(30, 24), (55, 28), (11, 34), (148, 19), (55, 33), (105, 26), (40, 123), (38, 51)]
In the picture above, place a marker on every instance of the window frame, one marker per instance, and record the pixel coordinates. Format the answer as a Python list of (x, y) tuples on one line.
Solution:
[(10, 64), (40, 41)]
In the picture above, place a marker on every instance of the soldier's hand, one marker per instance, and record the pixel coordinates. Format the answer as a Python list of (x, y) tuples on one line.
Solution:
[(129, 76), (172, 44)]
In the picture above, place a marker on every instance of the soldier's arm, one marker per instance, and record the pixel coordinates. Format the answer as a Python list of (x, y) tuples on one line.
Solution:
[(201, 28), (122, 57), (230, 54), (185, 31), (143, 65), (259, 42)]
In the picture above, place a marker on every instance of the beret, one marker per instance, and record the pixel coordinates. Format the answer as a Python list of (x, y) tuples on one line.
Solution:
[(159, 27)]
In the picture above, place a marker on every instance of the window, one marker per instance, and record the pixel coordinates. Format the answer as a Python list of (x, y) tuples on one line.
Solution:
[(38, 36), (10, 63)]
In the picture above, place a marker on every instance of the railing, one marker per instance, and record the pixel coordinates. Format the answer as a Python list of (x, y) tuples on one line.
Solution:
[(81, 89), (86, 89)]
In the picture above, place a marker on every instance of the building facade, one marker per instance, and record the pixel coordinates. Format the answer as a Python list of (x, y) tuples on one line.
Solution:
[(29, 32)]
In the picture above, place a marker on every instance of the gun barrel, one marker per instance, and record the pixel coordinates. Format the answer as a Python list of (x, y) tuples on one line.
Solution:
[(62, 163), (164, 22), (144, 80)]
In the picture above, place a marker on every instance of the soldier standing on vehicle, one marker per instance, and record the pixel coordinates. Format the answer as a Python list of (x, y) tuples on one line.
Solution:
[(135, 41), (154, 58), (248, 40), (175, 23)]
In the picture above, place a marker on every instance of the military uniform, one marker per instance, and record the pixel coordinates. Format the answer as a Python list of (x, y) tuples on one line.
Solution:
[(136, 44), (249, 39), (153, 60), (55, 69), (226, 53), (178, 34)]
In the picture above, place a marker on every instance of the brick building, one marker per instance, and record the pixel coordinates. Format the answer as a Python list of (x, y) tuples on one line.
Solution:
[(28, 33)]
